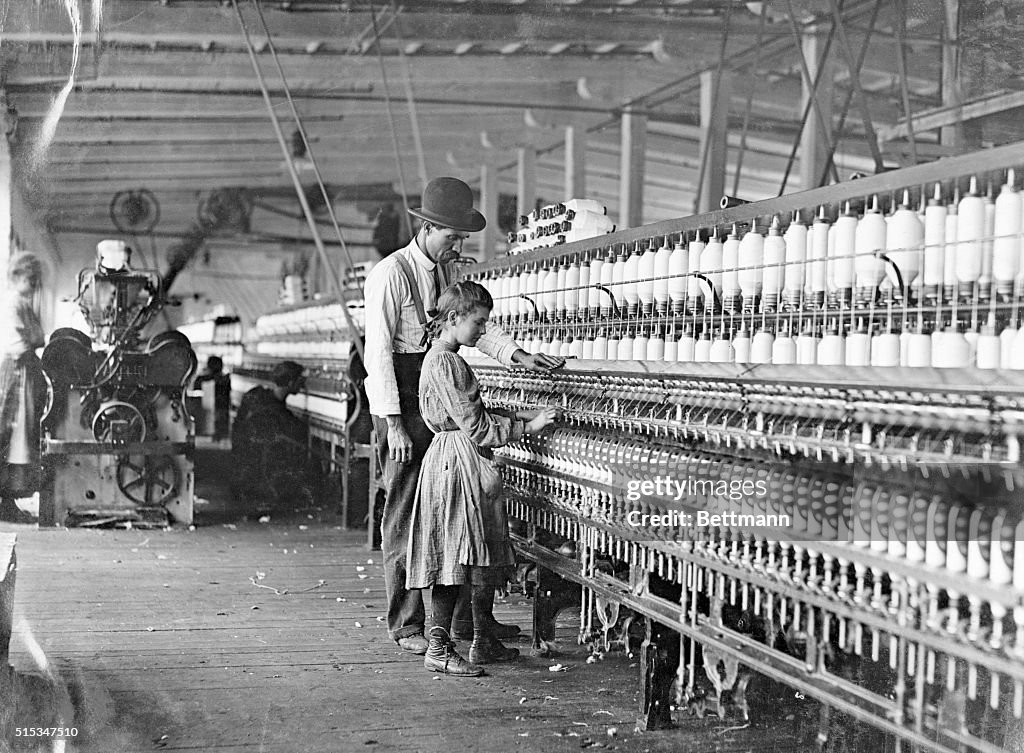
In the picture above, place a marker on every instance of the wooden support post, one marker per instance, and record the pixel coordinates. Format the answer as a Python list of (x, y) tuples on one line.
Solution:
[(526, 181), (575, 161), (633, 158), (814, 146), (489, 209), (714, 125)]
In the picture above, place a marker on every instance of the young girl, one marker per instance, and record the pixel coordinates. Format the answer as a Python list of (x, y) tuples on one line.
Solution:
[(459, 527)]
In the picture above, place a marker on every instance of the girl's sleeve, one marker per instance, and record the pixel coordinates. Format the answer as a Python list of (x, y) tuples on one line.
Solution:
[(456, 389)]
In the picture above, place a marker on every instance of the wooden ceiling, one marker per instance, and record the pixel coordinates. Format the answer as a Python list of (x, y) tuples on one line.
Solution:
[(164, 96)]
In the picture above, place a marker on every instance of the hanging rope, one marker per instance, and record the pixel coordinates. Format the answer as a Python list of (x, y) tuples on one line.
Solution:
[(421, 161), (714, 105), (357, 340), (750, 99), (328, 202), (391, 119)]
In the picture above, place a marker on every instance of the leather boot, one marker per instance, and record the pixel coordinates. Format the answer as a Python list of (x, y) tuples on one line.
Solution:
[(487, 649), (442, 656), (464, 630)]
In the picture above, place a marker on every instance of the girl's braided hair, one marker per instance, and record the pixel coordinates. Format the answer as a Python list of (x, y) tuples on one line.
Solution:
[(461, 298)]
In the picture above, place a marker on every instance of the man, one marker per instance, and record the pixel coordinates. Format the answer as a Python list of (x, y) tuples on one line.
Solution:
[(269, 445), (395, 346)]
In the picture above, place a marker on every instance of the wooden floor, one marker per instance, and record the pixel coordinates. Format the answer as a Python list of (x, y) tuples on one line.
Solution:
[(242, 636)]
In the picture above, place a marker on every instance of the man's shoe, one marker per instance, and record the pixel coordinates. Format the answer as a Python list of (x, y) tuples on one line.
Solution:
[(442, 656), (497, 629), (487, 649), (414, 644)]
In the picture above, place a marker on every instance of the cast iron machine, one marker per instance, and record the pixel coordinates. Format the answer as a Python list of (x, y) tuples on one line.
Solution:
[(117, 441)]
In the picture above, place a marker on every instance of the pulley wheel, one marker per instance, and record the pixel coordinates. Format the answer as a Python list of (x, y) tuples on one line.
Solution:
[(118, 422), (148, 480)]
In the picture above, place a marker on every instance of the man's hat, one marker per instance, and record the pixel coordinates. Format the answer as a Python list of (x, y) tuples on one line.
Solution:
[(448, 202)]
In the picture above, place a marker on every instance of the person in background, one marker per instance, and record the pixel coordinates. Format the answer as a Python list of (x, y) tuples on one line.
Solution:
[(22, 386), (214, 372), (269, 446), (395, 347), (459, 530)]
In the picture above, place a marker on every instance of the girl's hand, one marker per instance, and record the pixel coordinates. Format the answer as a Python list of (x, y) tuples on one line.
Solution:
[(544, 417)]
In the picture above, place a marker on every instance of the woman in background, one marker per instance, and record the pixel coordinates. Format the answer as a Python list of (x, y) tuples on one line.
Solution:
[(22, 387)]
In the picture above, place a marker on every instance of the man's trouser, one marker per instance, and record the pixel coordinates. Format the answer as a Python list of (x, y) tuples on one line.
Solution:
[(405, 607)]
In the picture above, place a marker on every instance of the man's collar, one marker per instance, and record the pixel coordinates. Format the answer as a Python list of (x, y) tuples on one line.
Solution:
[(420, 256)]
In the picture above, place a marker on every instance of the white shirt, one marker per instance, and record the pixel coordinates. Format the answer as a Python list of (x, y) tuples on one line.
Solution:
[(392, 325)]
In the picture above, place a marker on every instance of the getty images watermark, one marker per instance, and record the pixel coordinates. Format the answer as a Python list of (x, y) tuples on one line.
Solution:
[(708, 503)]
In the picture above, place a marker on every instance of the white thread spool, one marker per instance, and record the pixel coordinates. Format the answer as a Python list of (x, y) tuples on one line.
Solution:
[(969, 234), (796, 257), (711, 267), (576, 347), (751, 272), (987, 245), (761, 346), (918, 347), (640, 346), (807, 349), (1007, 343), (934, 243), (1017, 355), (599, 350), (774, 274), (858, 347), (571, 291), (784, 349), (587, 353), (885, 350), (832, 349), (630, 284), (903, 240), (721, 350), (583, 287), (545, 291), (671, 354), (694, 289), (987, 349), (655, 347), (619, 277), (597, 274), (561, 281), (678, 266), (530, 291), (686, 348), (613, 347), (702, 349), (607, 282), (870, 238), (816, 284), (950, 350), (741, 345), (949, 260), (841, 265), (730, 275), (662, 266), (1006, 246), (645, 275)]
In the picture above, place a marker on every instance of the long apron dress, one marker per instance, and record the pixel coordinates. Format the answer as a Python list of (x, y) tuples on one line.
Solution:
[(459, 523), (22, 397)]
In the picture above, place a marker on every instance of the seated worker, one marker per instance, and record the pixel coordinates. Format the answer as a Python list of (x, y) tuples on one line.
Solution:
[(214, 372), (269, 449)]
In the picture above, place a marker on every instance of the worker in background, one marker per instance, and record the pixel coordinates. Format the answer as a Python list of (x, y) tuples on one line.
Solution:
[(214, 372), (22, 385), (395, 348), (269, 446)]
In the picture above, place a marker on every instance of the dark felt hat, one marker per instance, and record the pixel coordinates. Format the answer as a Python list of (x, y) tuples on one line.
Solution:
[(448, 202)]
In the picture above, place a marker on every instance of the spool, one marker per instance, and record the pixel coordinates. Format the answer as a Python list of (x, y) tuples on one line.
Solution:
[(795, 238), (721, 350), (711, 268), (761, 347), (639, 352), (662, 263), (702, 349), (950, 350), (774, 275), (645, 275), (784, 350), (571, 288), (869, 238), (885, 350), (919, 350), (741, 345), (630, 285), (730, 275), (816, 284), (832, 349), (618, 278), (970, 231), (599, 351), (613, 348), (694, 292), (686, 348), (842, 275), (678, 266), (671, 354), (751, 263), (903, 240), (1006, 245), (807, 349), (655, 347), (987, 350), (934, 244), (557, 310), (587, 352)]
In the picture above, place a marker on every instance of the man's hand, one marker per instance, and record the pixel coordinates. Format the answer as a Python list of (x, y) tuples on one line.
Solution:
[(399, 443), (537, 361)]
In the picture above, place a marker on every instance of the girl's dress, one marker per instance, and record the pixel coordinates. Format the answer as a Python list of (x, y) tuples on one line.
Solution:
[(459, 523), (22, 396)]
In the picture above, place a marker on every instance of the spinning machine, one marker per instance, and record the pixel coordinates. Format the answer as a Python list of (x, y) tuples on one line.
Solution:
[(117, 441), (789, 450)]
